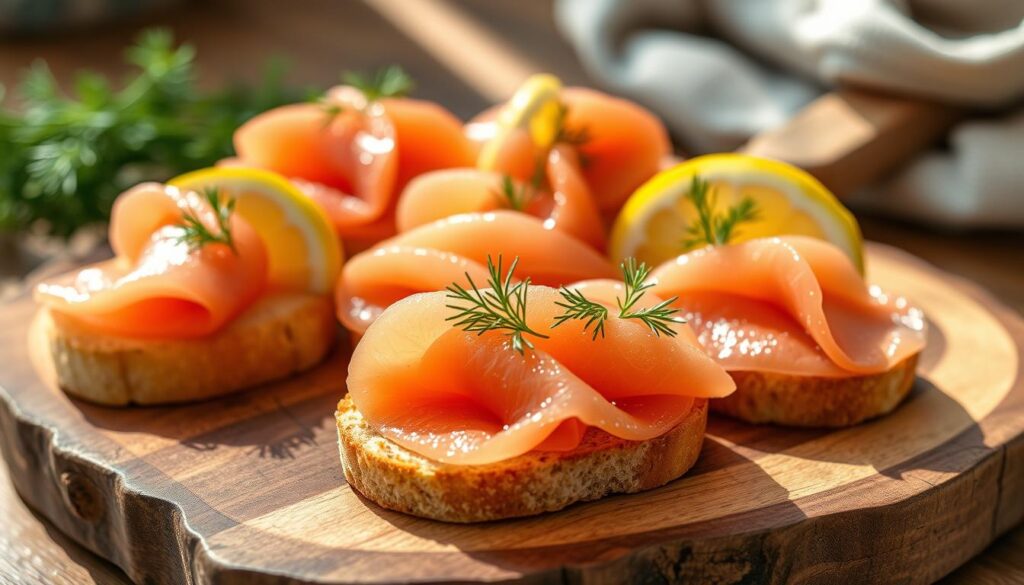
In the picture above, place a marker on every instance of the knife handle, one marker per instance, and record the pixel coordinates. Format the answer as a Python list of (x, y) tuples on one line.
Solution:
[(849, 138)]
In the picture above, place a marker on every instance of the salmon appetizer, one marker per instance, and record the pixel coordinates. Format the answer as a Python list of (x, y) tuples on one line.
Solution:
[(790, 305), (159, 284), (568, 156), (473, 382), (354, 152), (767, 267), (192, 282), (792, 316), (431, 256)]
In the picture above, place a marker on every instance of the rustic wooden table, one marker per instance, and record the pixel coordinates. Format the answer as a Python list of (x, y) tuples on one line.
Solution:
[(320, 38)]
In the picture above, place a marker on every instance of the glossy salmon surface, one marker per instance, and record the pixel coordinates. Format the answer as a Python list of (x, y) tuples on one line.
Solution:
[(790, 305), (463, 398), (432, 256), (156, 285), (564, 202)]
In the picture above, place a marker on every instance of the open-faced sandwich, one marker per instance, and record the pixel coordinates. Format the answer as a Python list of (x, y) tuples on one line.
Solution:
[(477, 404), (807, 340), (219, 281)]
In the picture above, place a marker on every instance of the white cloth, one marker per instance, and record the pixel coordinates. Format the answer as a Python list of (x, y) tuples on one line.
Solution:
[(719, 71)]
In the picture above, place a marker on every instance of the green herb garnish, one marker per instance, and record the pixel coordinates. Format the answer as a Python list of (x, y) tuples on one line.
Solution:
[(516, 197), (581, 308), (502, 308), (711, 228), (566, 135), (391, 81), (562, 134), (195, 234), (659, 318), (64, 159), (330, 109)]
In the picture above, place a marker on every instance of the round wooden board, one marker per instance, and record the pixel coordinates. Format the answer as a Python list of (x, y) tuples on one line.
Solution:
[(249, 488)]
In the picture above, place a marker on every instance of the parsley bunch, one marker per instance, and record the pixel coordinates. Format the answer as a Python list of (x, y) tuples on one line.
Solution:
[(64, 159)]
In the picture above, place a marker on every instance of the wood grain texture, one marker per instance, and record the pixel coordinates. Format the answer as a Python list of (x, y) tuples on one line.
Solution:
[(248, 488)]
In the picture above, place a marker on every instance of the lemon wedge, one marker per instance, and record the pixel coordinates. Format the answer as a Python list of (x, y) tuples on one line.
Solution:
[(536, 108), (304, 252), (653, 223)]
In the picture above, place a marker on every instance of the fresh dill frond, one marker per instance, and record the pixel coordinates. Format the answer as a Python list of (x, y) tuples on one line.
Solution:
[(388, 82), (581, 308), (566, 135), (331, 110), (659, 318), (516, 197), (502, 308), (633, 276), (745, 210), (196, 234), (540, 172), (561, 134), (711, 228)]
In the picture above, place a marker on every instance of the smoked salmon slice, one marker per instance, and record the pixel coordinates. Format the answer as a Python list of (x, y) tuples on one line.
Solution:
[(432, 256), (353, 161), (463, 398), (565, 204), (621, 144), (790, 305), (156, 285)]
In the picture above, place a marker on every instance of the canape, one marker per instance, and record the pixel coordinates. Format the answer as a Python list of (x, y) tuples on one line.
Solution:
[(209, 291), (486, 403)]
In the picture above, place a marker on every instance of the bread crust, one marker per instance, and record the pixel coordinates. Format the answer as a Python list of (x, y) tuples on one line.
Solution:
[(280, 334), (808, 401), (529, 484)]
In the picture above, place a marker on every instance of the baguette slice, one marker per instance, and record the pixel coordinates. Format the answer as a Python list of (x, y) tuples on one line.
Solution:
[(529, 484), (808, 401), (278, 335)]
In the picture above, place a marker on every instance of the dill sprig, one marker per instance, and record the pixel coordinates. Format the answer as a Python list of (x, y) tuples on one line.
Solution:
[(331, 110), (566, 135), (659, 318), (562, 135), (633, 277), (388, 82), (197, 234), (711, 228), (502, 308), (516, 197), (580, 307)]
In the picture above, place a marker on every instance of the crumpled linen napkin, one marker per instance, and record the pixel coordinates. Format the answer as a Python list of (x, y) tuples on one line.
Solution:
[(719, 71)]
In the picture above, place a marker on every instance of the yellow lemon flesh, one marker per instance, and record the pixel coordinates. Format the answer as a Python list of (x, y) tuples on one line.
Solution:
[(653, 224), (303, 251), (535, 107)]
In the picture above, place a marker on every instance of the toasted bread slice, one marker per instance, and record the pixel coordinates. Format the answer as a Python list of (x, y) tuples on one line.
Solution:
[(808, 401), (278, 335), (536, 482)]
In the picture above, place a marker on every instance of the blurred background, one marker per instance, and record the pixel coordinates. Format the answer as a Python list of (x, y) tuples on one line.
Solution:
[(722, 74)]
